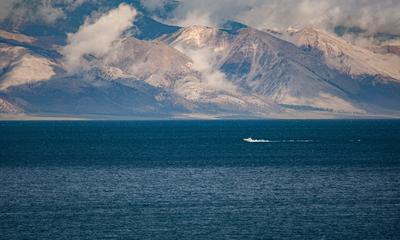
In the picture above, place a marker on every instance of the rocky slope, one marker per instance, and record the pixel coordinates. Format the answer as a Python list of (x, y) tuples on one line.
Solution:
[(297, 75), (344, 56), (202, 71), (165, 67)]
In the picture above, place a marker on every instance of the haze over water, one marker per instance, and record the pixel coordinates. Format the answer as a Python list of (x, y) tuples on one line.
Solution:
[(200, 180)]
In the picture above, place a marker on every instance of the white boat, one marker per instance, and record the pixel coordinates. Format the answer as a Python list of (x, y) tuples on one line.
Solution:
[(248, 139)]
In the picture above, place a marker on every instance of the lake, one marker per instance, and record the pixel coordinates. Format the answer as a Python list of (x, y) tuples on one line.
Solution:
[(320, 179)]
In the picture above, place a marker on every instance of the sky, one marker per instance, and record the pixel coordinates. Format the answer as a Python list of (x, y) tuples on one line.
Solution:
[(371, 15)]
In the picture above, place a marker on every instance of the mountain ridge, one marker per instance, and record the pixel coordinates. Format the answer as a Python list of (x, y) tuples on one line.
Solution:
[(201, 71)]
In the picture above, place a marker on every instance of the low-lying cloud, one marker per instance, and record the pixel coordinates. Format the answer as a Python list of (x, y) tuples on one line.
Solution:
[(374, 16), (371, 15), (204, 61), (46, 11), (96, 36)]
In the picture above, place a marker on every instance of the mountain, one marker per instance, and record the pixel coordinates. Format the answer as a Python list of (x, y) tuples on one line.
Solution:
[(34, 80), (390, 47), (8, 108), (344, 56), (137, 78), (22, 66), (295, 76), (165, 67), (376, 74), (160, 71)]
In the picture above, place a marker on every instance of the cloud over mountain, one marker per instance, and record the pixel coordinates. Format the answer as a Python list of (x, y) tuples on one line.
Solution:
[(85, 57), (373, 16), (47, 11), (96, 36)]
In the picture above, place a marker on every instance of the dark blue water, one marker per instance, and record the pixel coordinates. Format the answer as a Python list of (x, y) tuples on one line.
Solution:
[(200, 180)]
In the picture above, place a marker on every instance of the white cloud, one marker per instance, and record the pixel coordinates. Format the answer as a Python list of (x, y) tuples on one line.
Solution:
[(96, 37), (47, 11), (195, 18), (6, 7), (374, 16), (204, 61), (50, 14)]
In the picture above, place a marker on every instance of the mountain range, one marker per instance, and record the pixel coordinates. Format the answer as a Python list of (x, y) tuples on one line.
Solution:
[(157, 71)]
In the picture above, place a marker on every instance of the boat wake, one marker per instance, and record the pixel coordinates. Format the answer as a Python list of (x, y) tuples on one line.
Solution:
[(251, 140)]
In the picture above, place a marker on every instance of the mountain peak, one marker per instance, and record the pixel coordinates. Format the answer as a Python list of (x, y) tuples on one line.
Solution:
[(233, 69), (345, 56), (195, 35), (198, 31)]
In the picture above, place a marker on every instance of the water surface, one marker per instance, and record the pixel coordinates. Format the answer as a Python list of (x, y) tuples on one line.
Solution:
[(200, 180)]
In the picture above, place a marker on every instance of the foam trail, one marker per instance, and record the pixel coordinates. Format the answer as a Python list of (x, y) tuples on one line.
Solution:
[(251, 140)]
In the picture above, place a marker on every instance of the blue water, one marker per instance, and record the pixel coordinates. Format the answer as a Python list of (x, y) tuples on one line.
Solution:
[(200, 180)]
